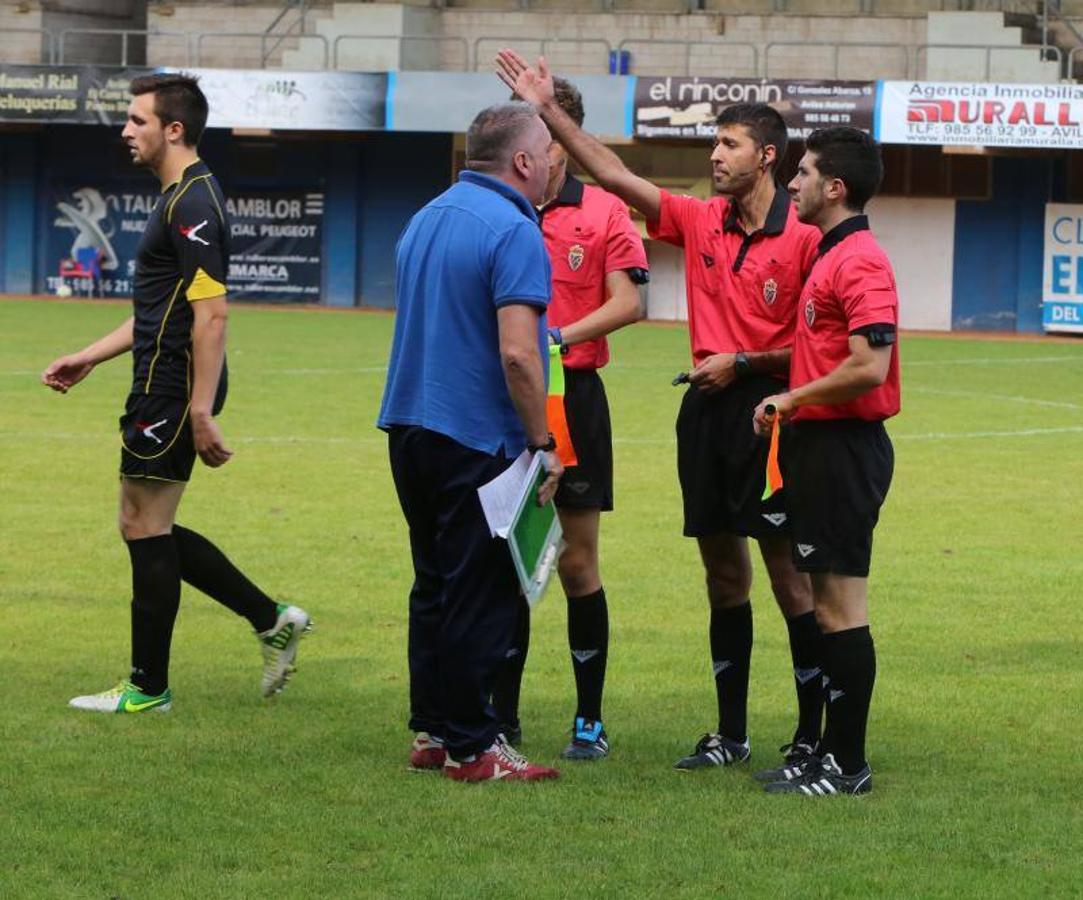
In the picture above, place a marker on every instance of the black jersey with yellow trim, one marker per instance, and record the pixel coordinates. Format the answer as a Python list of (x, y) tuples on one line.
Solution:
[(182, 258)]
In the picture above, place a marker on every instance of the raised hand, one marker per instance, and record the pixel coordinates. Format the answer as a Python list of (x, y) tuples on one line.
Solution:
[(535, 86)]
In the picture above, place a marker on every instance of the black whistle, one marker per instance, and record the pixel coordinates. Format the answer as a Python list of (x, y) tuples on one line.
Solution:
[(682, 378), (769, 409)]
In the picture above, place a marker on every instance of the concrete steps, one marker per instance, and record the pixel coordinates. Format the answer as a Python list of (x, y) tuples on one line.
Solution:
[(1001, 51)]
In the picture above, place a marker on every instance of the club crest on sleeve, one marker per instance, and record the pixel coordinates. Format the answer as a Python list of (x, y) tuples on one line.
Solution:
[(810, 311), (770, 291), (575, 256)]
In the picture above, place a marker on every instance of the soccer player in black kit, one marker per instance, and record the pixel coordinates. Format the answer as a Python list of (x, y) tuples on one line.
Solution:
[(177, 337)]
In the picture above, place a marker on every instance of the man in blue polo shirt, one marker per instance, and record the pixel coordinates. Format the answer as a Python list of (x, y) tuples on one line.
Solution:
[(465, 395)]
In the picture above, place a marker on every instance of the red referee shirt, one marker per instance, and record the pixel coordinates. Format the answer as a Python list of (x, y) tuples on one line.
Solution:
[(588, 234), (851, 286), (742, 288)]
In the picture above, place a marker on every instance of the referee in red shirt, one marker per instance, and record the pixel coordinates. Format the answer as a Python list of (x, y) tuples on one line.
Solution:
[(597, 260), (844, 382), (746, 257)]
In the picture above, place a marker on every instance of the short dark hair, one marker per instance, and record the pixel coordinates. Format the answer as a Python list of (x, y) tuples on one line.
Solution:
[(177, 98), (569, 99), (853, 157), (764, 123), (490, 139)]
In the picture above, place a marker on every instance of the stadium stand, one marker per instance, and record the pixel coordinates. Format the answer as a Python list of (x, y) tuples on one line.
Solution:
[(1002, 40)]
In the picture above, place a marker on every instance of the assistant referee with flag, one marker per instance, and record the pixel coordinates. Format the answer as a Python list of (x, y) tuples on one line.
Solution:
[(844, 382)]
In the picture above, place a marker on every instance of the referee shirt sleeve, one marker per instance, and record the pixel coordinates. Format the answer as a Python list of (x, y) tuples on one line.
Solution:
[(865, 287), (623, 245), (520, 270), (196, 229), (677, 213)]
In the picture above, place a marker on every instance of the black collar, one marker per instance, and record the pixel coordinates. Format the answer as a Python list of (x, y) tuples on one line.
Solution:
[(776, 215), (842, 231), (570, 194)]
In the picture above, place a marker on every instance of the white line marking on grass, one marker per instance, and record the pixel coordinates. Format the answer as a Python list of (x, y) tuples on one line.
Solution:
[(969, 435), (617, 367), (979, 395), (359, 370), (31, 436), (990, 361)]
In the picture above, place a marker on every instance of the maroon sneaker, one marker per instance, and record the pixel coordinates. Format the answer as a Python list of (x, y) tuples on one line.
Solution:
[(427, 752), (501, 762)]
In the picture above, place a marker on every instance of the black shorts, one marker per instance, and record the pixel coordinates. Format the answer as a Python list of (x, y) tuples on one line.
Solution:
[(837, 476), (588, 485), (156, 438), (722, 462)]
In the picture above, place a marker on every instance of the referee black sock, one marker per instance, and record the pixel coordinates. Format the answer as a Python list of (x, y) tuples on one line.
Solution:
[(156, 588), (731, 656), (850, 665), (588, 640), (206, 567), (509, 679), (805, 643)]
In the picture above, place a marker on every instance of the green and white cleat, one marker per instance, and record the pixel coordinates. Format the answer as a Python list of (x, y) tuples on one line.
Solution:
[(279, 647), (124, 698)]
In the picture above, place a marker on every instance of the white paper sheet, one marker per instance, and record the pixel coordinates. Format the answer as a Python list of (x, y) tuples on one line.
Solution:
[(500, 497)]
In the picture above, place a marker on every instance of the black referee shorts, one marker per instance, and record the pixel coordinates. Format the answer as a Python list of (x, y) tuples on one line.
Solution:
[(156, 438), (722, 462), (589, 484), (837, 476)]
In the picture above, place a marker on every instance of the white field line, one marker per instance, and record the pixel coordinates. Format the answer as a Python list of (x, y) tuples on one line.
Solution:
[(34, 436), (981, 395), (348, 370), (991, 361), (928, 436), (617, 366)]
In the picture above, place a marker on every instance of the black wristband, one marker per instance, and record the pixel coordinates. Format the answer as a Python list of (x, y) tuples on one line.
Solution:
[(548, 446), (742, 366)]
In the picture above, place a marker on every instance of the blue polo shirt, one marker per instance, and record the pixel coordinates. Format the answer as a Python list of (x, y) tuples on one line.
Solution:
[(473, 249)]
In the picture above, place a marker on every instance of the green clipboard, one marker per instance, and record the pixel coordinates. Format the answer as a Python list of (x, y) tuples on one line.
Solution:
[(535, 537)]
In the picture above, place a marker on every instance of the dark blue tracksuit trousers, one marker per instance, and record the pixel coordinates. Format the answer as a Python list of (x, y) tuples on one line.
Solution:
[(464, 602)]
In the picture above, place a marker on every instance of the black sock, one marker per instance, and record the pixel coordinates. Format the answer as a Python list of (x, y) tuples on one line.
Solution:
[(849, 661), (588, 640), (731, 656), (156, 587), (509, 679), (206, 567), (805, 641)]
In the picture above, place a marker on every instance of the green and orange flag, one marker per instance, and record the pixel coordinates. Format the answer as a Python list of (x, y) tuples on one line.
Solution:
[(774, 473), (554, 409)]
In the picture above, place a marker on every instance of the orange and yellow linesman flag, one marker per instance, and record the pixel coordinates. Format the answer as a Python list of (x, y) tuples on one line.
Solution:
[(554, 409), (774, 473)]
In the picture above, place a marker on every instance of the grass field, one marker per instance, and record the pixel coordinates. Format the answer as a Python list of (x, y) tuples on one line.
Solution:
[(975, 600)]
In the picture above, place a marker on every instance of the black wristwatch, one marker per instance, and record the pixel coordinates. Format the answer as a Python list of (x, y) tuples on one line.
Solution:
[(742, 366), (549, 446)]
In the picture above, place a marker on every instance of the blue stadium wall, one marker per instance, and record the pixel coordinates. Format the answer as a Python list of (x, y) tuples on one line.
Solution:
[(372, 184), (997, 283), (374, 181)]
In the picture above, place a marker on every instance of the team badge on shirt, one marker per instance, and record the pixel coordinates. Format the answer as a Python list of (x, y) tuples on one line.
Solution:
[(575, 256), (810, 312), (770, 291)]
